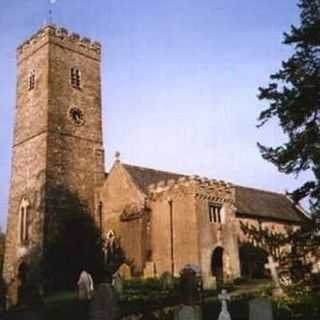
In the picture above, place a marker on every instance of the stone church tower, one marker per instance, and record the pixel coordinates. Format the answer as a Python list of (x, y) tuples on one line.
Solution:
[(57, 153)]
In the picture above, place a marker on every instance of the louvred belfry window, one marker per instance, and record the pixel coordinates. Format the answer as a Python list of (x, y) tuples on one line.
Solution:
[(32, 80), (214, 213), (75, 78)]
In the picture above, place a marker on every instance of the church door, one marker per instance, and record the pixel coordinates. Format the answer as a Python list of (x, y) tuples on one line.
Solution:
[(217, 265), (22, 288)]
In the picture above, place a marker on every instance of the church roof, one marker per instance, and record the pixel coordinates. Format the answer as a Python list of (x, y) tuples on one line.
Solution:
[(144, 177), (250, 202), (266, 204)]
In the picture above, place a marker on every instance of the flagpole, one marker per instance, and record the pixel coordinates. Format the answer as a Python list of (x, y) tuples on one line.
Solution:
[(50, 11)]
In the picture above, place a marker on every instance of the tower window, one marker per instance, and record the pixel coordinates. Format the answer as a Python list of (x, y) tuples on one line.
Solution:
[(32, 80), (214, 213), (24, 221), (75, 78)]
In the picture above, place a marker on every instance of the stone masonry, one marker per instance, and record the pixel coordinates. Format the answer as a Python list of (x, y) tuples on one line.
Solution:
[(164, 220), (57, 153)]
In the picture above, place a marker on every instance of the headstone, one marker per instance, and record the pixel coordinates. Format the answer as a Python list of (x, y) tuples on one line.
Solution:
[(260, 309), (167, 281), (209, 282), (224, 313), (85, 286), (124, 271), (105, 302), (272, 265), (117, 283), (149, 270), (188, 287), (186, 312)]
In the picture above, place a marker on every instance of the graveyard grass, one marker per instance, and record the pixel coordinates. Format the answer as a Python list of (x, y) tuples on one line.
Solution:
[(65, 305)]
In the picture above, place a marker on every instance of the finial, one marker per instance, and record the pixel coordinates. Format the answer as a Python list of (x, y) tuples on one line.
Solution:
[(117, 156)]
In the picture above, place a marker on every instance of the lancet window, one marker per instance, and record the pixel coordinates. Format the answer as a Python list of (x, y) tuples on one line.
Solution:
[(24, 221), (215, 213), (75, 78)]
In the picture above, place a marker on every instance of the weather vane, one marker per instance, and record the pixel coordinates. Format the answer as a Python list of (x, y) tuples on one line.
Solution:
[(50, 12)]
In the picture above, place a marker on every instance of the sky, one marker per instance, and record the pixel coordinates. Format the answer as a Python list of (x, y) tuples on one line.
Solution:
[(180, 81)]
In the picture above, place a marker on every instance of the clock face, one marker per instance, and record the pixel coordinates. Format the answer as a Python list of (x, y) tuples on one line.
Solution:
[(76, 116)]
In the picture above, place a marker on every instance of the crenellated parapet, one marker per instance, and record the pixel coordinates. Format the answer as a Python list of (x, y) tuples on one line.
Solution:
[(201, 187), (61, 37)]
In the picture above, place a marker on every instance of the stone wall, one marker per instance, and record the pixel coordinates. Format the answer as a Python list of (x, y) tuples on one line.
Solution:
[(119, 196), (54, 159), (174, 240)]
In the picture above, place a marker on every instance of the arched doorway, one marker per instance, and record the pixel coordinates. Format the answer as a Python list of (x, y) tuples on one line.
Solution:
[(252, 261), (217, 265), (22, 287)]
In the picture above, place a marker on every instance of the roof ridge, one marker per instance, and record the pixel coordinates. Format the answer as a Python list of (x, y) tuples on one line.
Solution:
[(261, 190), (155, 170), (188, 175)]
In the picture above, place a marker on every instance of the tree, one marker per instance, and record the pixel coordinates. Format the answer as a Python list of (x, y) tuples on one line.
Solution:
[(294, 98), (2, 283), (2, 244)]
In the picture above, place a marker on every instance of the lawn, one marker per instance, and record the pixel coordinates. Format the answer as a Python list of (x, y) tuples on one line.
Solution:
[(65, 306)]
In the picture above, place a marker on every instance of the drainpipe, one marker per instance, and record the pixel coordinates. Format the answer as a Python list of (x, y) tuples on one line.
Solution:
[(171, 235)]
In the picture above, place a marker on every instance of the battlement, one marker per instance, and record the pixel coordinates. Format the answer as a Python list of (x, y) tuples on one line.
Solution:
[(203, 187), (61, 37)]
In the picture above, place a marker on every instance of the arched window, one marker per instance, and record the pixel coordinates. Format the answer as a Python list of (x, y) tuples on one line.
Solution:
[(32, 80), (75, 78), (24, 221)]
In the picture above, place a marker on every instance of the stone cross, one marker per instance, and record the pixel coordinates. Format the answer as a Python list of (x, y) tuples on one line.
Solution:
[(223, 297), (272, 265)]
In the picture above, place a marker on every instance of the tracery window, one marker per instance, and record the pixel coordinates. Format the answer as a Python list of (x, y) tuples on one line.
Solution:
[(75, 78), (32, 80), (24, 221), (214, 213)]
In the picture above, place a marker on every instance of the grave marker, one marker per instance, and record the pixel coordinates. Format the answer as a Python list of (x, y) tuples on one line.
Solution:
[(224, 313)]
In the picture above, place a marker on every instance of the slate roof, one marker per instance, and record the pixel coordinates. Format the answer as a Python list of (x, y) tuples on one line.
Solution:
[(266, 204), (251, 202), (144, 177)]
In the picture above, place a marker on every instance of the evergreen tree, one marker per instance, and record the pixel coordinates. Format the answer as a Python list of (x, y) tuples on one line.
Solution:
[(293, 97)]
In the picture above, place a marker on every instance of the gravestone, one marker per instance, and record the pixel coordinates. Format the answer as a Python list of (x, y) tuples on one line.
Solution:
[(149, 270), (167, 281), (209, 282), (272, 265), (104, 305), (189, 309), (186, 312), (224, 313), (125, 271), (85, 286), (117, 283), (260, 309), (188, 287)]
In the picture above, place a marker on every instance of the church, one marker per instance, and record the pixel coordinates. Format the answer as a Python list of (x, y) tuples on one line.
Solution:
[(164, 220)]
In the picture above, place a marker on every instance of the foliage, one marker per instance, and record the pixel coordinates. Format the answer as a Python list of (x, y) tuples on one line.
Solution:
[(294, 98), (253, 259), (2, 244), (73, 244), (297, 302), (2, 283), (290, 249)]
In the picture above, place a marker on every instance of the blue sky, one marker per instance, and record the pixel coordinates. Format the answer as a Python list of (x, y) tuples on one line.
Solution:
[(180, 81)]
